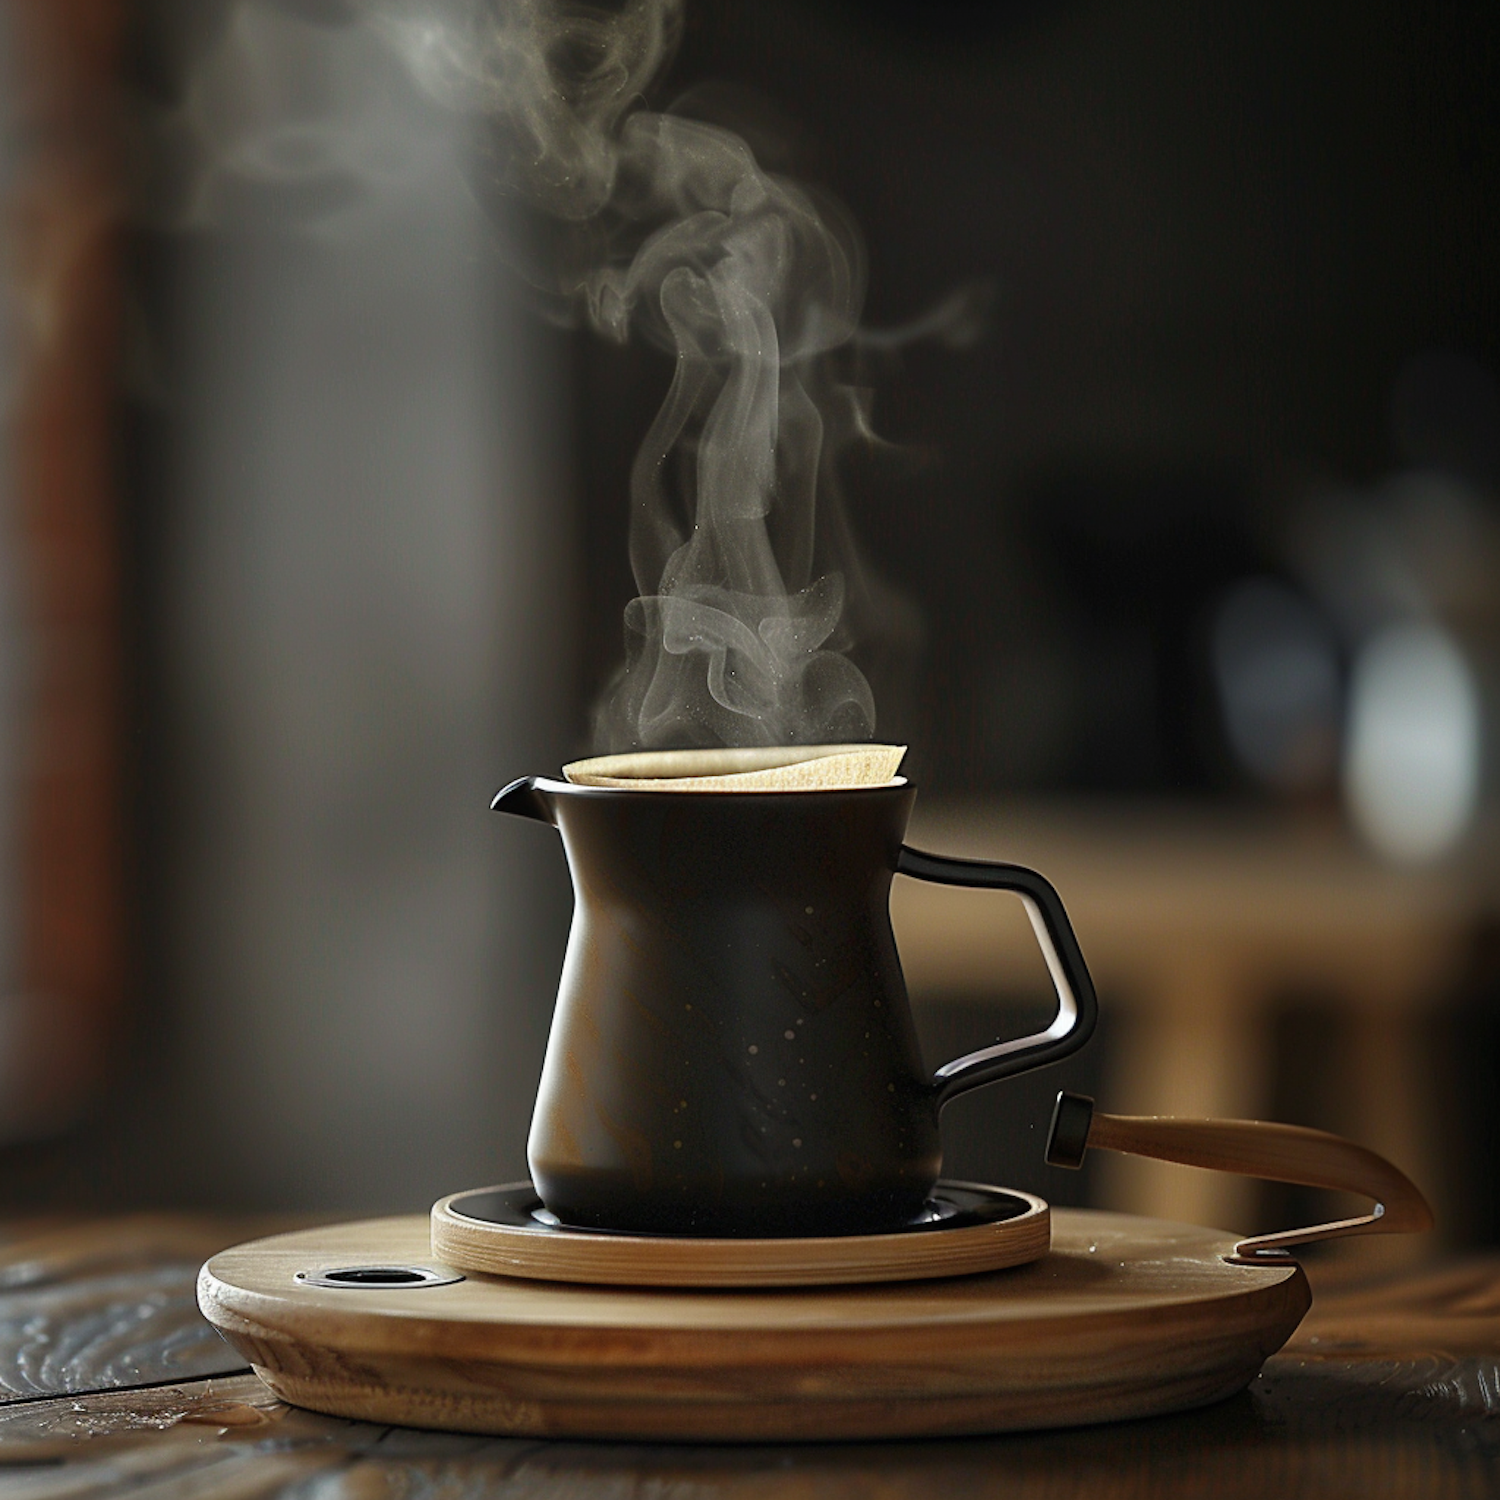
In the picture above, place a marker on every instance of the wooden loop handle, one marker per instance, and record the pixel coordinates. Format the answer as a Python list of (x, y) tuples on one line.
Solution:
[(1253, 1148)]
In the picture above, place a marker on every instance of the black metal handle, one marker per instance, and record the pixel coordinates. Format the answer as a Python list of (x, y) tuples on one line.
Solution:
[(1077, 1007)]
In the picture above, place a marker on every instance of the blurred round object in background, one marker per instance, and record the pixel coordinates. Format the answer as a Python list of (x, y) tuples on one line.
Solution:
[(1422, 542), (1276, 665), (1444, 529), (1445, 414), (1412, 757)]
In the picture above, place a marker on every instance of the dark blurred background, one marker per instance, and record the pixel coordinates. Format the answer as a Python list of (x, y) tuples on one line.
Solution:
[(1239, 259), (1200, 520)]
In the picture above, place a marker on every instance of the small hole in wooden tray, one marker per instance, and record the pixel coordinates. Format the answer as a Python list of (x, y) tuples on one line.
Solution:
[(388, 1277)]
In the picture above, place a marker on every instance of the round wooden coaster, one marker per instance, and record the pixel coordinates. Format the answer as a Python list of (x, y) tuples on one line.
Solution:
[(1125, 1317), (968, 1227)]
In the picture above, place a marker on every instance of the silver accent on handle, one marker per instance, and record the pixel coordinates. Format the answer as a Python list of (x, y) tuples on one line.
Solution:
[(1061, 1024)]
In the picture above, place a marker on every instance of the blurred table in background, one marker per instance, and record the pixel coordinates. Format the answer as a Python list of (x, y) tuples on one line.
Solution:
[(1198, 925)]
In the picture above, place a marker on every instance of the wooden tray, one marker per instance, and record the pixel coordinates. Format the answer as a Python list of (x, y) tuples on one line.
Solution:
[(969, 1227), (1125, 1317)]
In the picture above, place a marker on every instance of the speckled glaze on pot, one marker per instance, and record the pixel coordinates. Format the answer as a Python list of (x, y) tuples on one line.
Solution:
[(733, 1051)]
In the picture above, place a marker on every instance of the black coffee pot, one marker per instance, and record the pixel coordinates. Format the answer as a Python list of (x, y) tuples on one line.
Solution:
[(733, 1051)]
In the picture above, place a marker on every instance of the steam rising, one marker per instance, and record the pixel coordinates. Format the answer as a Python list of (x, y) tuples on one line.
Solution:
[(747, 576)]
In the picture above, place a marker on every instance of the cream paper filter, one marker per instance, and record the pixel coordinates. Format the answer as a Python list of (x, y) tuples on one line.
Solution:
[(792, 768)]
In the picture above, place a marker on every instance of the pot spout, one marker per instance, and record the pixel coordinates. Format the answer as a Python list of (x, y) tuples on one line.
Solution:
[(524, 799)]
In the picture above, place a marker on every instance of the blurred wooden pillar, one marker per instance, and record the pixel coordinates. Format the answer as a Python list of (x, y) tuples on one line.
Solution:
[(64, 227)]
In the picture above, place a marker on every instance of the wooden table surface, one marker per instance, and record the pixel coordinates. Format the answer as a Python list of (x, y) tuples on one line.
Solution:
[(110, 1384)]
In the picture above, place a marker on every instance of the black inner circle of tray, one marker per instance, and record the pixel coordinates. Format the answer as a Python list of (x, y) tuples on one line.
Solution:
[(953, 1205)]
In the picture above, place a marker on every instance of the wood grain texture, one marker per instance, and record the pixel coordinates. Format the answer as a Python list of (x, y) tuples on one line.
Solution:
[(1451, 1310), (1124, 1318), (1419, 1429), (88, 1307), (640, 1260), (1363, 1402)]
